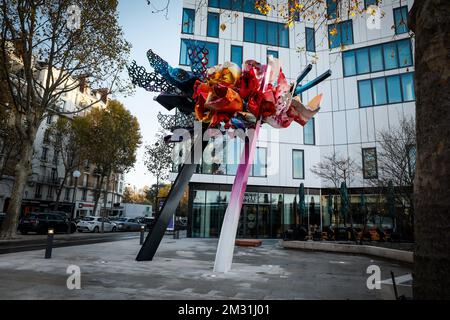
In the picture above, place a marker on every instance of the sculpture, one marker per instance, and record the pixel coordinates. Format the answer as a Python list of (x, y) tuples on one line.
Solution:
[(224, 97)]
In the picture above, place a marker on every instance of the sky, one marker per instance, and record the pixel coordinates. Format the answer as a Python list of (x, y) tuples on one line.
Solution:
[(146, 30)]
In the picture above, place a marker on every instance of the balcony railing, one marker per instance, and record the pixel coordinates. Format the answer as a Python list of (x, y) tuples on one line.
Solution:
[(49, 180)]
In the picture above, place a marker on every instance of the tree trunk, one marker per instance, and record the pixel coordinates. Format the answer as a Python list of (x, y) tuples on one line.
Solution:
[(430, 22), (105, 201), (59, 191), (98, 193), (21, 173)]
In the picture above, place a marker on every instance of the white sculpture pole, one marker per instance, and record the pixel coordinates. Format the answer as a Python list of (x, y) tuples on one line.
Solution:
[(225, 248)]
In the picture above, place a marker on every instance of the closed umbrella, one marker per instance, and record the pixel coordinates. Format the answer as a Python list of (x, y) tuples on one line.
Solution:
[(301, 201), (391, 203), (330, 207), (344, 200)]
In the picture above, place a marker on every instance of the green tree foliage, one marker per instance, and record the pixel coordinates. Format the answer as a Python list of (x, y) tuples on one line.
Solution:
[(110, 137)]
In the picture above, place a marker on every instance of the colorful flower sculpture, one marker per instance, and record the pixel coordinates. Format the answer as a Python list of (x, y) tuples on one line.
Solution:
[(237, 99)]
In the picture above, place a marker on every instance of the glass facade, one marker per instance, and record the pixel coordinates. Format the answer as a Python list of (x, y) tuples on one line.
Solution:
[(237, 55), (213, 25), (188, 22), (247, 6), (266, 32), (340, 34), (310, 40), (264, 214), (331, 9), (298, 164), (309, 133), (387, 56), (213, 55), (370, 166), (401, 20), (384, 90)]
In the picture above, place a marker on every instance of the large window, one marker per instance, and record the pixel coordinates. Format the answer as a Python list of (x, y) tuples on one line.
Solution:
[(266, 32), (401, 20), (247, 6), (368, 3), (213, 49), (236, 55), (376, 58), (260, 163), (309, 133), (370, 167), (340, 34), (384, 90), (213, 25), (331, 9), (298, 164), (188, 21), (310, 40)]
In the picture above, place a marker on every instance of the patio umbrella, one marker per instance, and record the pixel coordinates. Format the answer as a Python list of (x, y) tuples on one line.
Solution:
[(301, 201), (391, 203), (330, 207), (344, 200)]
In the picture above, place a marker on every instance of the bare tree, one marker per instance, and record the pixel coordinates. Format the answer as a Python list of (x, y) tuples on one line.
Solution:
[(336, 169), (396, 163), (158, 161)]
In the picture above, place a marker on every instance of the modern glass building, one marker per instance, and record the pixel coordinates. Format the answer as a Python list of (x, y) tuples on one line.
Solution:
[(371, 89)]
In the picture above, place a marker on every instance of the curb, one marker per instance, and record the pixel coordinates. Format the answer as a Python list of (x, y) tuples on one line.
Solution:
[(386, 253)]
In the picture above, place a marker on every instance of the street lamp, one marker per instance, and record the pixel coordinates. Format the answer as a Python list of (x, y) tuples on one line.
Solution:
[(76, 174)]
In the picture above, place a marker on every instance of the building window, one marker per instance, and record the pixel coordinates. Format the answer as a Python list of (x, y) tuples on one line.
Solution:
[(411, 154), (331, 9), (370, 167), (298, 164), (38, 191), (272, 53), (213, 55), (260, 163), (49, 119), (84, 195), (213, 25), (368, 3), (67, 194), (50, 192), (310, 40), (401, 20), (44, 154), (384, 90), (340, 34), (46, 139), (266, 32), (309, 133), (237, 55), (247, 6), (188, 21)]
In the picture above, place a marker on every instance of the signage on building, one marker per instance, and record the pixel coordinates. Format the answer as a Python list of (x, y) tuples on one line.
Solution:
[(250, 198)]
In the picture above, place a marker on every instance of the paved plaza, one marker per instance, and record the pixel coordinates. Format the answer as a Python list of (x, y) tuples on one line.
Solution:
[(183, 269)]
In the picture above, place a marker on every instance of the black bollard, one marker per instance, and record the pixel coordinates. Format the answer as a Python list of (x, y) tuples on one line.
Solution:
[(142, 235), (49, 247)]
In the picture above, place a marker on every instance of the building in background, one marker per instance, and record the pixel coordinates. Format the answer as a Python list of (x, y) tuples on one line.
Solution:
[(371, 89)]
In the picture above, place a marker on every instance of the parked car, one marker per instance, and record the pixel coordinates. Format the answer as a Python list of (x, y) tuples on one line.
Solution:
[(148, 222), (127, 224), (67, 216), (41, 222), (94, 224)]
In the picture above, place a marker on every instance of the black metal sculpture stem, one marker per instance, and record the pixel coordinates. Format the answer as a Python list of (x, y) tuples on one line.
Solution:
[(155, 236)]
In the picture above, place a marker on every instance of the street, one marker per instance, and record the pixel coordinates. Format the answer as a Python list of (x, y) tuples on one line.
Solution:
[(37, 242)]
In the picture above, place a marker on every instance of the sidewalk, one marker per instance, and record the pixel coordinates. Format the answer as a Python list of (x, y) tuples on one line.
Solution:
[(183, 269)]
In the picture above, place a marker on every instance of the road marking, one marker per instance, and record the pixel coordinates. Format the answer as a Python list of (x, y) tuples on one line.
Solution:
[(405, 280)]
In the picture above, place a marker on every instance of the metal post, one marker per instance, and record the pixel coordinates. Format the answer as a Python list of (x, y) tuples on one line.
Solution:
[(76, 174), (49, 247), (142, 235)]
